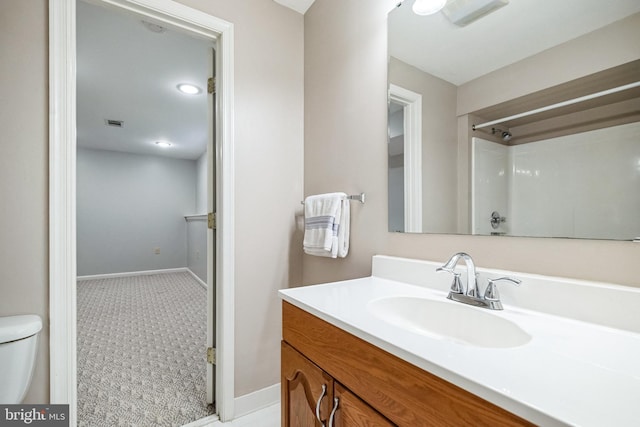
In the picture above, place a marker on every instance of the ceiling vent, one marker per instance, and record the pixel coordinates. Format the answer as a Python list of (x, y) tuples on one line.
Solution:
[(154, 28), (464, 12), (114, 123)]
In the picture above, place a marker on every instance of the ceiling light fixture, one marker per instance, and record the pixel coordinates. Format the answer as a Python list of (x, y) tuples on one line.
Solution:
[(163, 144), (428, 7), (189, 89)]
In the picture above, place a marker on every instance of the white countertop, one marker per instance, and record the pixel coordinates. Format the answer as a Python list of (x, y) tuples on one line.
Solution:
[(570, 373)]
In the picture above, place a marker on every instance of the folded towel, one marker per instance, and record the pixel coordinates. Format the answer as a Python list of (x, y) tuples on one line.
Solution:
[(326, 225)]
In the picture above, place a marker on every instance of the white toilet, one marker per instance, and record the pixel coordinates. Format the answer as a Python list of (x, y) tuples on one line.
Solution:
[(18, 343)]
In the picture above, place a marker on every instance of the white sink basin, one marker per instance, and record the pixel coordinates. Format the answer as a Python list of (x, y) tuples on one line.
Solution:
[(449, 320)]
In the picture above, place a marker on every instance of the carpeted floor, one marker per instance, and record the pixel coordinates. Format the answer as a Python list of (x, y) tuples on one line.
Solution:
[(141, 351)]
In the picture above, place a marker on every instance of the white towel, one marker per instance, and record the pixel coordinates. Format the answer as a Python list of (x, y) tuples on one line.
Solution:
[(326, 225)]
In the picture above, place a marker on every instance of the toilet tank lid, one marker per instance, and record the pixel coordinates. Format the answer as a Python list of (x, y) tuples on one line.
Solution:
[(14, 328)]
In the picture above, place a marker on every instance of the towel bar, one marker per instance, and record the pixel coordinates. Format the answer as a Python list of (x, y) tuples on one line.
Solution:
[(359, 197)]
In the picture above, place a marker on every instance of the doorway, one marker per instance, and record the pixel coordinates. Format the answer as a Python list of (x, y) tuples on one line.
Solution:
[(63, 254), (405, 159), (142, 197)]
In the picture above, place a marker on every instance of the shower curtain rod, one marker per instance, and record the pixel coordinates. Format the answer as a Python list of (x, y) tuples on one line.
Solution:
[(559, 104)]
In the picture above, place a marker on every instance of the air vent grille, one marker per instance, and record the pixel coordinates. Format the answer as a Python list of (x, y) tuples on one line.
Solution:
[(153, 27), (464, 12), (114, 123)]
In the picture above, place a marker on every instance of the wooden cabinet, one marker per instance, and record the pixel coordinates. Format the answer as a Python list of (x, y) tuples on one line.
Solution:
[(312, 398), (353, 412), (305, 390), (373, 387)]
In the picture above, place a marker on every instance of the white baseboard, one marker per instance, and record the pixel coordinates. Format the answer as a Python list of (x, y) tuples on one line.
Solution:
[(209, 421), (144, 273), (257, 400), (199, 280), (134, 273)]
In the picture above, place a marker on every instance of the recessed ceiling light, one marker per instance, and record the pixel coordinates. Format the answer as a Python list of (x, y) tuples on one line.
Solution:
[(189, 89), (428, 7), (163, 144)]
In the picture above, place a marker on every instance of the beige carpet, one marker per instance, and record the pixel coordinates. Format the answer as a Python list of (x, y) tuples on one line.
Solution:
[(141, 351)]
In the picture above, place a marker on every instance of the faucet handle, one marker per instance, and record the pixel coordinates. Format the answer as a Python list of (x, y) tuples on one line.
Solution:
[(491, 293), (456, 285)]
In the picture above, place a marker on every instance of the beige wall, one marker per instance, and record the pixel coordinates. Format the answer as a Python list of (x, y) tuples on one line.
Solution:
[(439, 137), (24, 172), (345, 123), (268, 157), (612, 45), (268, 177), (269, 154), (345, 114), (345, 149)]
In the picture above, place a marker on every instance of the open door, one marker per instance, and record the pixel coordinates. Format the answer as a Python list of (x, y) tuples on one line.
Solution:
[(211, 234)]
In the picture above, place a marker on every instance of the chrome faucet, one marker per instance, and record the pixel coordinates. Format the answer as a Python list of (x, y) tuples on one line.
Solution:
[(470, 294), (472, 284)]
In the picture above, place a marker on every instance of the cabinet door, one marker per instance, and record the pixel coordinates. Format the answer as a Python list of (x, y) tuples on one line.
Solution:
[(306, 391), (353, 412)]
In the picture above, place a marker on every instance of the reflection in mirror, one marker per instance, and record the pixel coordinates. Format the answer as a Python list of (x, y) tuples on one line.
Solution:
[(396, 166), (405, 159), (529, 121)]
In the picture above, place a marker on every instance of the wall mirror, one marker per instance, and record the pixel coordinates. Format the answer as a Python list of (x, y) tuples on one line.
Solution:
[(515, 117)]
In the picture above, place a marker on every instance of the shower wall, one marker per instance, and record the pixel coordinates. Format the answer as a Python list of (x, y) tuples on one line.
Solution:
[(570, 186), (490, 185), (575, 186)]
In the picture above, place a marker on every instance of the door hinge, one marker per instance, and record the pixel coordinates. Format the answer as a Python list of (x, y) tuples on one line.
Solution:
[(211, 355), (211, 85), (211, 220)]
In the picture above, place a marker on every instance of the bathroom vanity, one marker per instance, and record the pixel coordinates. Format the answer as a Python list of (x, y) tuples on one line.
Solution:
[(355, 372), (348, 359)]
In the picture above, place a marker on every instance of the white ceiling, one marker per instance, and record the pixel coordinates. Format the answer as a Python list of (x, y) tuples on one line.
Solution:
[(126, 72), (300, 6), (516, 31)]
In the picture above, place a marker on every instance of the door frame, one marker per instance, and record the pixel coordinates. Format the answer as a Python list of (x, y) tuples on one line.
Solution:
[(412, 104), (62, 191)]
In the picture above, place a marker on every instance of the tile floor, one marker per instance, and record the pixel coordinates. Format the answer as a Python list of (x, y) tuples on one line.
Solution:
[(267, 417)]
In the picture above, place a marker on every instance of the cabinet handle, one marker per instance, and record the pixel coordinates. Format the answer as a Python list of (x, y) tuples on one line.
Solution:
[(333, 412), (322, 395)]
